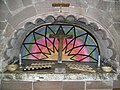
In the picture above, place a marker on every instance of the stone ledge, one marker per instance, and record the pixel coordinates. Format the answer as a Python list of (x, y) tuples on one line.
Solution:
[(59, 77)]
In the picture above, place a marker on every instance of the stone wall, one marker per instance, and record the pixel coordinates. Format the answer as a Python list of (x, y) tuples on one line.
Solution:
[(60, 85), (15, 13)]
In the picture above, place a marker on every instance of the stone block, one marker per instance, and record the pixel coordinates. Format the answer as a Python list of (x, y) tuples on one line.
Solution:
[(115, 11), (117, 27), (48, 85), (14, 4), (9, 30), (99, 85), (103, 18), (116, 84), (115, 15), (27, 2), (16, 85), (73, 85), (103, 5), (21, 16), (81, 3), (92, 3), (2, 25), (115, 32), (44, 7), (115, 5), (36, 1), (77, 3), (3, 11)]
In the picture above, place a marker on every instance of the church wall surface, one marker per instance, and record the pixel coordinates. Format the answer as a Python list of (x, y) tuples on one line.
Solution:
[(15, 13), (60, 85), (14, 16)]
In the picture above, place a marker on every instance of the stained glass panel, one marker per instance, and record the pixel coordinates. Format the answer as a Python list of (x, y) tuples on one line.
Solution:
[(39, 46)]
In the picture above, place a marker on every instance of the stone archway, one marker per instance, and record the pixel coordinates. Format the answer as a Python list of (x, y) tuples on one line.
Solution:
[(105, 43)]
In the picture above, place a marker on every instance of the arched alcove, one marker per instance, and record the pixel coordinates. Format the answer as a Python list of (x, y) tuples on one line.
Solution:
[(31, 31)]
